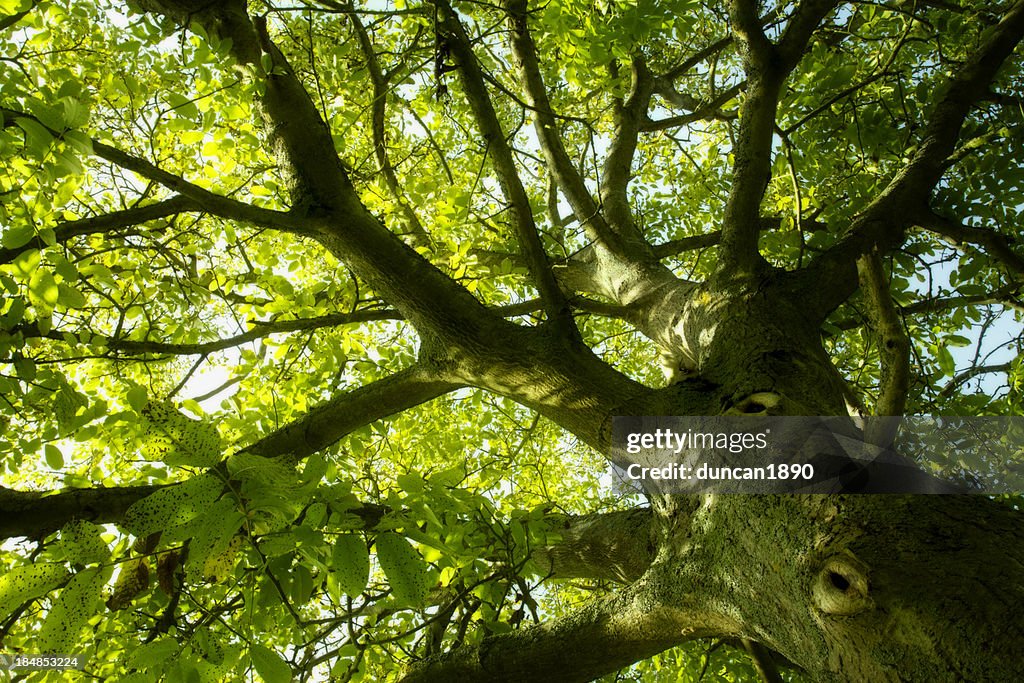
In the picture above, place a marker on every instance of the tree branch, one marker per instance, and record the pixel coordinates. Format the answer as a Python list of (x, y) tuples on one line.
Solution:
[(300, 140), (996, 244), (630, 114), (330, 421), (1003, 296), (107, 223), (504, 166), (11, 20), (893, 342), (766, 67), (323, 198), (598, 639), (969, 374), (801, 26), (664, 81), (561, 167), (211, 202), (710, 239), (752, 152), (608, 546), (378, 112), (884, 222), (8, 22), (764, 664), (699, 111), (35, 514), (259, 330)]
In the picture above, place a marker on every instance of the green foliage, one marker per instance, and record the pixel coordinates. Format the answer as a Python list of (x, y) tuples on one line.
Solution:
[(269, 664), (176, 439)]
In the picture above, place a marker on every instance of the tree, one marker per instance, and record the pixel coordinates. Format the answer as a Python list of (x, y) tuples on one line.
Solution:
[(429, 251)]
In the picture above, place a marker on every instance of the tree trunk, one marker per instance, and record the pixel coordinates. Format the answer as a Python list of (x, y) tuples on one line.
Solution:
[(859, 588), (851, 588)]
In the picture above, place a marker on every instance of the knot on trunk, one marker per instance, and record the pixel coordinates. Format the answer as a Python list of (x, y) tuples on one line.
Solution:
[(756, 404), (841, 586)]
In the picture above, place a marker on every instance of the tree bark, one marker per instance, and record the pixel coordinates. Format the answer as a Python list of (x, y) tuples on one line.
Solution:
[(861, 588)]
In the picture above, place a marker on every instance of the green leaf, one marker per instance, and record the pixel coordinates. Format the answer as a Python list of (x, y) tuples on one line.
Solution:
[(152, 655), (405, 568), (14, 6), (70, 297), (26, 368), (43, 290), (82, 542), (15, 314), (171, 506), (54, 456), (17, 236), (76, 114), (301, 584), (37, 138), (270, 665), (21, 584), (176, 439), (27, 261), (350, 562), (211, 538), (946, 362), (410, 482), (76, 604), (137, 397), (184, 106)]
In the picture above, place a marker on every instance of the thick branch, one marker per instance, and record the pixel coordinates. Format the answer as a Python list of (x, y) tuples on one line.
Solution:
[(996, 244), (34, 514), (804, 22), (323, 199), (300, 139), (893, 342), (11, 20), (600, 638), (330, 421), (609, 546), (108, 223), (504, 164), (905, 199), (753, 150), (767, 67), (748, 31), (561, 167), (630, 114)]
